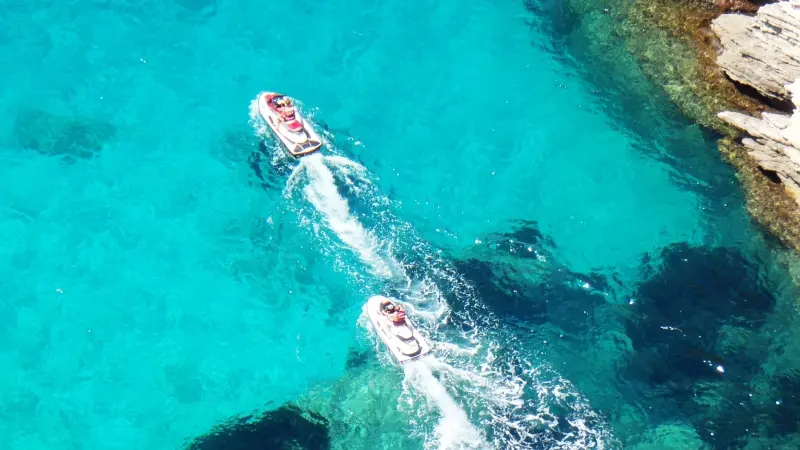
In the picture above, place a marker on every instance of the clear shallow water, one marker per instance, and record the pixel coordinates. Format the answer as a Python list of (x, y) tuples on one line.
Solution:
[(161, 287)]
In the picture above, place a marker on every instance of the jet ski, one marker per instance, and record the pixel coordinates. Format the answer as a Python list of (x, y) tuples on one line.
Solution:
[(289, 126), (399, 335)]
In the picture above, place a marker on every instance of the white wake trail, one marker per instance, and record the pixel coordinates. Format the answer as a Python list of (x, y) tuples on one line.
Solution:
[(321, 191), (454, 430), (521, 402)]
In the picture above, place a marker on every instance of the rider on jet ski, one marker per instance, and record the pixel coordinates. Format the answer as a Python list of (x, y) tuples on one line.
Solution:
[(285, 109), (395, 312)]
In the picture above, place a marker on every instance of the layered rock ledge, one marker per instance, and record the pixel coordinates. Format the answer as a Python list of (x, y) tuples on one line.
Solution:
[(761, 52), (774, 143)]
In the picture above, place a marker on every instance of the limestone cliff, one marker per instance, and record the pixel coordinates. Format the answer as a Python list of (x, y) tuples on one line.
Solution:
[(774, 142), (762, 51)]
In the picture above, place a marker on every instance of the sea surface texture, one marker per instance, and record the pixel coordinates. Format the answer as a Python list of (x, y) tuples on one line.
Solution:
[(575, 251)]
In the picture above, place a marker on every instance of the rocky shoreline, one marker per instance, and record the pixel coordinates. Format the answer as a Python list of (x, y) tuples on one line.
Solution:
[(760, 53), (629, 47)]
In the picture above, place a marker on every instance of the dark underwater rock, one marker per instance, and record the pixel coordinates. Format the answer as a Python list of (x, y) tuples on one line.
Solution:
[(526, 233), (518, 277), (693, 326), (690, 294), (785, 412), (502, 294), (559, 298), (716, 282), (671, 436), (240, 146), (197, 9), (287, 428), (53, 135), (523, 239)]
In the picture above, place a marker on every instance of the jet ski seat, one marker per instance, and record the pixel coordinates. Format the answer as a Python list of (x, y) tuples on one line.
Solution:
[(295, 126), (403, 332)]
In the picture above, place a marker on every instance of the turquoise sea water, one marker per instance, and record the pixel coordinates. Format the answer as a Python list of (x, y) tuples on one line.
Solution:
[(582, 262)]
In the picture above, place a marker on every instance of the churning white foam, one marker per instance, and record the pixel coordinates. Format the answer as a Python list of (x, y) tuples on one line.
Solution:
[(454, 430), (321, 191), (514, 399)]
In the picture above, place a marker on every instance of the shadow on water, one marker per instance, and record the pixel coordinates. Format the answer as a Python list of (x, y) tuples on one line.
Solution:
[(272, 176), (287, 428)]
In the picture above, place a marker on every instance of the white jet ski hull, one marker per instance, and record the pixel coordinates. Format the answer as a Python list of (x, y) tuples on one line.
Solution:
[(297, 144), (404, 350)]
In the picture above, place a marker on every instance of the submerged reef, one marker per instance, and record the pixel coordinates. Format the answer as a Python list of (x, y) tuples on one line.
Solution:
[(286, 428), (53, 135), (735, 57), (196, 10), (362, 405), (550, 293), (698, 351)]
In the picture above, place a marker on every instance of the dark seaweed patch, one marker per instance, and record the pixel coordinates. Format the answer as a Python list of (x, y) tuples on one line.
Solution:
[(287, 428)]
